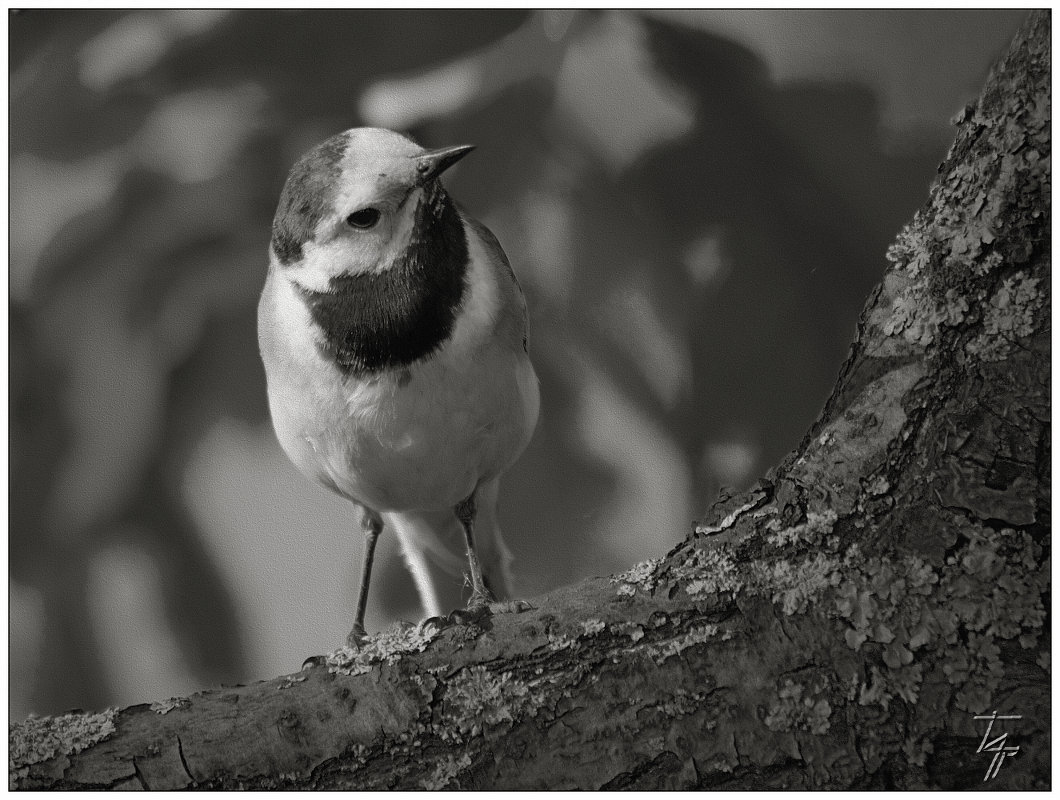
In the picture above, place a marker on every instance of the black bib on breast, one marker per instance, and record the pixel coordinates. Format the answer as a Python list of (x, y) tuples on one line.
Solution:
[(389, 319)]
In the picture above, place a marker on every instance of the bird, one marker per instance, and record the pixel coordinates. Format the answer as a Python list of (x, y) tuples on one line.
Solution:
[(394, 336)]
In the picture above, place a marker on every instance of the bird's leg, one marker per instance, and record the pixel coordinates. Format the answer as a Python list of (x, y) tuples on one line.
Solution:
[(480, 593), (372, 524)]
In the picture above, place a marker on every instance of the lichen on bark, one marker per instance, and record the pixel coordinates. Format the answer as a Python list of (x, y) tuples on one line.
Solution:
[(839, 625)]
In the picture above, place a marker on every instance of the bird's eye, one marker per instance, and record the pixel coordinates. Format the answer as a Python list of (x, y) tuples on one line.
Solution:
[(363, 219)]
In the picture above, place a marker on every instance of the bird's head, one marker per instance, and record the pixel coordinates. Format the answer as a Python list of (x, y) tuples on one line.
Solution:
[(358, 203), (374, 247)]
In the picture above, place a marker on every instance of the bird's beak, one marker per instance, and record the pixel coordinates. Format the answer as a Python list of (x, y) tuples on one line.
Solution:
[(433, 163)]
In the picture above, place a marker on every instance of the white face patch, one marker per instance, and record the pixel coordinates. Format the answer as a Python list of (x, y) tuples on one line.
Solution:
[(337, 249), (376, 248), (378, 171), (319, 264)]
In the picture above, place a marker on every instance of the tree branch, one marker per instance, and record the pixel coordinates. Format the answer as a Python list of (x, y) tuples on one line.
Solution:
[(840, 625)]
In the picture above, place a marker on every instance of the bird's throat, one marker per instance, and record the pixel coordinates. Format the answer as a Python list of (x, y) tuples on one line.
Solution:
[(370, 322)]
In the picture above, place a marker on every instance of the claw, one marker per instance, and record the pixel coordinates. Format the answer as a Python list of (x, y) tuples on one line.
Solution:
[(511, 607), (438, 623), (470, 615), (313, 661), (357, 637)]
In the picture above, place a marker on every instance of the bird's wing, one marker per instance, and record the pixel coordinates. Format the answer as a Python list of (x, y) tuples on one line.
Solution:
[(513, 327)]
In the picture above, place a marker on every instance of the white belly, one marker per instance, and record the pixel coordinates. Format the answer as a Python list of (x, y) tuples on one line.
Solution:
[(421, 439), (421, 445)]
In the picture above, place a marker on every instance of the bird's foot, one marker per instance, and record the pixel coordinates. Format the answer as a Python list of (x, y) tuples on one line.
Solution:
[(480, 598), (478, 608), (434, 623), (471, 615), (356, 638), (510, 607)]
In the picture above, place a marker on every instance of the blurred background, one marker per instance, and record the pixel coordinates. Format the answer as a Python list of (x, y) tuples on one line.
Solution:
[(697, 203)]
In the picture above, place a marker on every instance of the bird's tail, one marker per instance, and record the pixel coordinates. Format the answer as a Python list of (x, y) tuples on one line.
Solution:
[(434, 548)]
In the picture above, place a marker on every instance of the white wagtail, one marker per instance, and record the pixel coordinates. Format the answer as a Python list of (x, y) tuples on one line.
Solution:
[(394, 337)]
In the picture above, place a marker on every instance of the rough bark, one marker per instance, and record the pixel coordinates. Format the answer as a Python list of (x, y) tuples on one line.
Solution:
[(837, 626)]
